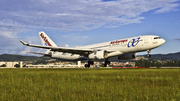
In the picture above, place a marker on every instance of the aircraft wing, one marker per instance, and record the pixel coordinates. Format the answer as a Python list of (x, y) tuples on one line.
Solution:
[(64, 49)]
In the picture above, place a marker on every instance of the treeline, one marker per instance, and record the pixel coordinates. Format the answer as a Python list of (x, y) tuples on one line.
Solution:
[(157, 63), (10, 57)]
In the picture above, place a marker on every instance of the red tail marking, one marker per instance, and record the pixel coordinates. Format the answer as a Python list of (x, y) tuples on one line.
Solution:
[(46, 40)]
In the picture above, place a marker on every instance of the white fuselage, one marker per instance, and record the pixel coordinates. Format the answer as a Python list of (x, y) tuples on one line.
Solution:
[(119, 47)]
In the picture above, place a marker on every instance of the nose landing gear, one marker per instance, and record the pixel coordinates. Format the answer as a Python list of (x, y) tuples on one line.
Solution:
[(149, 55)]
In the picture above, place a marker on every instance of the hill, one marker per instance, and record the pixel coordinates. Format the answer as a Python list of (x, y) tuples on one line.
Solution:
[(170, 56), (10, 57)]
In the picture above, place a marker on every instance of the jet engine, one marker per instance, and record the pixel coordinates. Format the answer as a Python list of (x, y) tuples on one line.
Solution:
[(98, 55), (127, 56)]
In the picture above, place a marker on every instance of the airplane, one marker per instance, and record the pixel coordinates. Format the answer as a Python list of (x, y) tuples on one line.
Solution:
[(123, 49)]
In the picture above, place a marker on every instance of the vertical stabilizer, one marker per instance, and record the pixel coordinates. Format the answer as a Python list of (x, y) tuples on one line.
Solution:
[(46, 41)]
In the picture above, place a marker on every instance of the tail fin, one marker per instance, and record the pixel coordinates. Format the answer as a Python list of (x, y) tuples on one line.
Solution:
[(46, 41)]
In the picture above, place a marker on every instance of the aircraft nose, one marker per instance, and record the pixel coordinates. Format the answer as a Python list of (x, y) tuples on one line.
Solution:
[(162, 41)]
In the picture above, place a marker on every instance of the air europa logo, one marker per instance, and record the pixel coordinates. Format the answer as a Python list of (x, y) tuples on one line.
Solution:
[(47, 43), (133, 42), (120, 41)]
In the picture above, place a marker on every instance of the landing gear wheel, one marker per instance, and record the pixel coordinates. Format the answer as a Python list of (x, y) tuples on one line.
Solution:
[(106, 63), (91, 62), (148, 53), (86, 65)]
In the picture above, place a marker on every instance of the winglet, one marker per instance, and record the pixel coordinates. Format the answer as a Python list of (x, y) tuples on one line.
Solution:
[(23, 42)]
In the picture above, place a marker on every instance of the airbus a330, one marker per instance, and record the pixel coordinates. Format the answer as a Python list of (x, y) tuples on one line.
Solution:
[(123, 49)]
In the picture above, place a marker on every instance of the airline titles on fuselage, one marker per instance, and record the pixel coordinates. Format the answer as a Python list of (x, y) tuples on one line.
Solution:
[(120, 41), (132, 43)]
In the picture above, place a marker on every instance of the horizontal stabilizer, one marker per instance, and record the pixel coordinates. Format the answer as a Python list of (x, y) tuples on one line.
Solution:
[(41, 54)]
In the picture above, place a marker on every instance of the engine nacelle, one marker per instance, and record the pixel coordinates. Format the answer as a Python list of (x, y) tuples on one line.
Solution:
[(98, 55), (127, 56)]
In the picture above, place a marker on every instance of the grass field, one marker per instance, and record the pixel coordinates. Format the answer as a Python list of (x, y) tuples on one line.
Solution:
[(90, 84)]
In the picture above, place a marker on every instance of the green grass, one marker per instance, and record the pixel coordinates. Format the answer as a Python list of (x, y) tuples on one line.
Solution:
[(90, 84)]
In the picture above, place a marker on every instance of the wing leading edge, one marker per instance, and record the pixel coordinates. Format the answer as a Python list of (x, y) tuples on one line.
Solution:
[(64, 49)]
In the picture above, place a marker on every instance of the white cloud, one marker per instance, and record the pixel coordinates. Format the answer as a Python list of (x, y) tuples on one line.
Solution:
[(25, 50), (9, 36), (168, 8), (10, 40), (78, 14), (74, 37), (66, 45)]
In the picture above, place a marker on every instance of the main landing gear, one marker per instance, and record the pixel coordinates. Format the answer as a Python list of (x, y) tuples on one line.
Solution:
[(92, 63), (106, 63), (149, 55), (89, 64)]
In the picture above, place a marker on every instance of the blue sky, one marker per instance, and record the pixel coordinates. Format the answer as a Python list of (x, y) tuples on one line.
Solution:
[(81, 22)]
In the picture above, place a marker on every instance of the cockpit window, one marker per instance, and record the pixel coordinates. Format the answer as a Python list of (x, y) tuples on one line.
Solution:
[(157, 37)]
